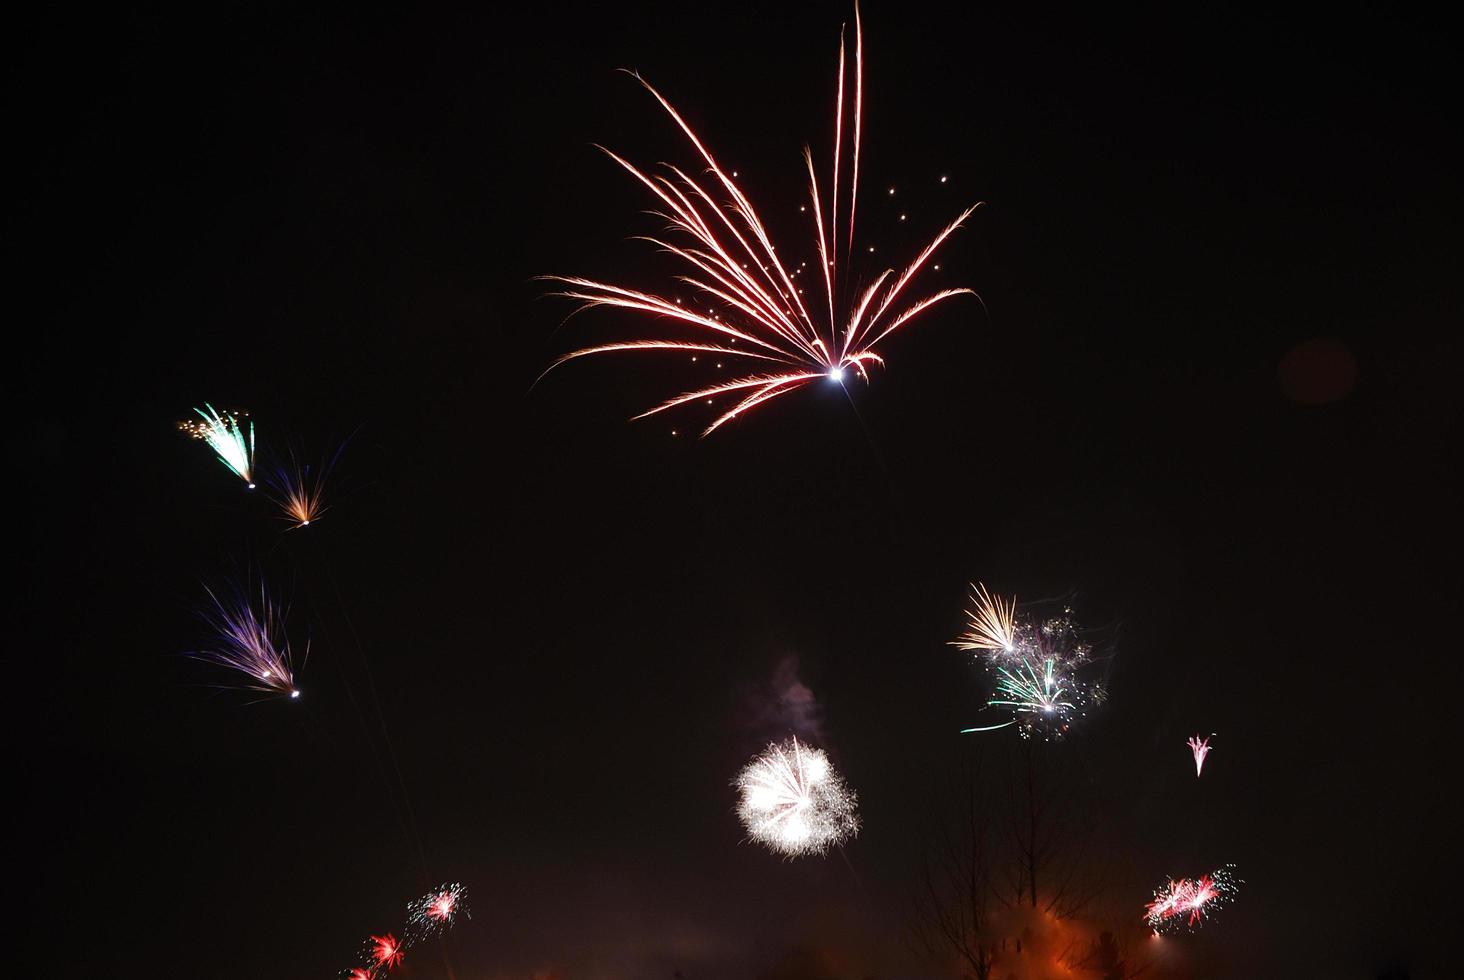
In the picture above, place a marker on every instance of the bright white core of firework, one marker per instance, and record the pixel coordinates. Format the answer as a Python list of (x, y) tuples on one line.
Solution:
[(793, 802)]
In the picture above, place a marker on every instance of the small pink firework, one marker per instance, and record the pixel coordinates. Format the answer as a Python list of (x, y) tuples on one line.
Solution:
[(436, 912), (358, 973), (252, 643), (386, 952), (1200, 747), (1182, 903)]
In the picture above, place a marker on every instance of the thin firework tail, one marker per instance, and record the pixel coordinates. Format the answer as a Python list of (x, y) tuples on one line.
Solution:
[(793, 802), (251, 642), (1038, 666), (1199, 748), (783, 343), (1182, 904), (231, 441)]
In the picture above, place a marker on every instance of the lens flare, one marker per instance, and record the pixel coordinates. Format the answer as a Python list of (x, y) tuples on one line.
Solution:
[(251, 642), (750, 311), (794, 802), (231, 441), (1182, 904)]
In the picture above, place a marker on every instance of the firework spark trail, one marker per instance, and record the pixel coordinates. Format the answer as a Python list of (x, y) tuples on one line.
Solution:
[(1200, 747), (734, 262), (225, 436), (793, 802), (1038, 666), (1029, 692), (1185, 904), (251, 642), (992, 624)]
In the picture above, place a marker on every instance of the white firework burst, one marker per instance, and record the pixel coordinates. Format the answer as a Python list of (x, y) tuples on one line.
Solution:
[(794, 802)]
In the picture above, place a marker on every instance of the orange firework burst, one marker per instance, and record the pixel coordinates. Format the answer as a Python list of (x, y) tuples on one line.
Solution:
[(299, 488), (300, 493), (767, 329)]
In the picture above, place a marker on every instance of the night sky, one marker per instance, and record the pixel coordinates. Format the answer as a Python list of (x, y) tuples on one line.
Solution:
[(1213, 398)]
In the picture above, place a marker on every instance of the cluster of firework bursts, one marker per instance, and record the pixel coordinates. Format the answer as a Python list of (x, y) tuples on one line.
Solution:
[(249, 634), (1184, 904), (751, 315), (429, 917), (792, 801), (298, 490), (1038, 666)]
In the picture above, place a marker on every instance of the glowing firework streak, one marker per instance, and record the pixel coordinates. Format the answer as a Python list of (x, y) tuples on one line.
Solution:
[(991, 623), (1185, 904), (1200, 747), (793, 801), (778, 343), (225, 436), (436, 912), (300, 492), (1026, 691), (1037, 666), (252, 643)]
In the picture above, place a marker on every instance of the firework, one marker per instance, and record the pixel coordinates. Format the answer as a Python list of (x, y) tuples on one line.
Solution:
[(750, 313), (385, 952), (991, 623), (300, 492), (1038, 666), (1200, 747), (231, 441), (793, 801), (436, 912), (251, 642), (428, 917), (1185, 904)]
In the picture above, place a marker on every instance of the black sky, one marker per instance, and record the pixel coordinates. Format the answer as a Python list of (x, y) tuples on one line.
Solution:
[(566, 626)]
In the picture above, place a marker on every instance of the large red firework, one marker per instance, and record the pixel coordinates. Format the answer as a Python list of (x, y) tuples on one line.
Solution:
[(764, 326)]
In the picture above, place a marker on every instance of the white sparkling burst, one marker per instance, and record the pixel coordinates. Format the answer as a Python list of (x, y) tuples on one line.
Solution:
[(794, 802)]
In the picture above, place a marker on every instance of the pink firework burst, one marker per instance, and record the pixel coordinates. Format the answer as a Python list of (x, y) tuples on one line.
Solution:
[(437, 911), (1184, 903), (385, 951), (750, 311), (1200, 747)]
